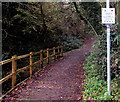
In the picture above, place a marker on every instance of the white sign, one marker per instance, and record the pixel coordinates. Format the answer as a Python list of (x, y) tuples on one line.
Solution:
[(108, 15)]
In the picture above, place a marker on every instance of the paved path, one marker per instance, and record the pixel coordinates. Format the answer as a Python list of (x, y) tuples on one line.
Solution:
[(61, 80)]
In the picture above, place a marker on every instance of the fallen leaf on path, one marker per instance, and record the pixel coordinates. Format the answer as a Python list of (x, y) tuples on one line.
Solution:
[(62, 58)]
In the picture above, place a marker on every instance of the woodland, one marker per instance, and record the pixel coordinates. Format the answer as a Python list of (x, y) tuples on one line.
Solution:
[(32, 26)]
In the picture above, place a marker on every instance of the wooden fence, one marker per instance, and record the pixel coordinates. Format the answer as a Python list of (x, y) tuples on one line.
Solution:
[(56, 53)]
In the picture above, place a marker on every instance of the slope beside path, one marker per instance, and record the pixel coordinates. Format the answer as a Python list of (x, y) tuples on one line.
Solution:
[(61, 80)]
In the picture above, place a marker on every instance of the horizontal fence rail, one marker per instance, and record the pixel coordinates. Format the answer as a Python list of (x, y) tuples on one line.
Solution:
[(54, 52)]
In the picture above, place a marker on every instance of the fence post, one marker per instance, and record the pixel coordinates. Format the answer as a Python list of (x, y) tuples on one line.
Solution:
[(14, 66), (61, 51), (31, 62), (58, 55), (54, 53), (47, 60), (41, 58)]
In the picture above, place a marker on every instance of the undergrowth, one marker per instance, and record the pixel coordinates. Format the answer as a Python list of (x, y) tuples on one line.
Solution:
[(95, 88)]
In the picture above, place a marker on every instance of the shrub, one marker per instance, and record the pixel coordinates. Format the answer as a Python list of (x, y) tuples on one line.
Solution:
[(95, 87), (71, 42)]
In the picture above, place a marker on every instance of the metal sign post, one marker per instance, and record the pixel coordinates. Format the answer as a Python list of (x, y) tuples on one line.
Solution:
[(108, 18), (108, 59), (108, 53)]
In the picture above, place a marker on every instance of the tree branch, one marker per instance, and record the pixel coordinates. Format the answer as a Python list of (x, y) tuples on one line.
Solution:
[(81, 15)]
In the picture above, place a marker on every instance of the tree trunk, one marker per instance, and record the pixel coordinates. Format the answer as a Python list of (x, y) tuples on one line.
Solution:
[(81, 17), (44, 27)]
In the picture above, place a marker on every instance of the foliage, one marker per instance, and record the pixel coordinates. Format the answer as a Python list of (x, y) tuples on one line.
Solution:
[(96, 64), (90, 14), (29, 26), (95, 87), (71, 42)]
